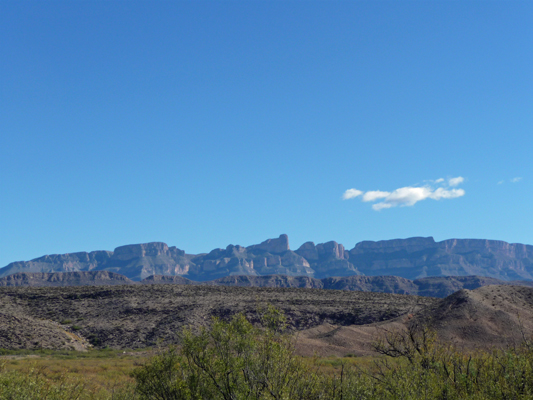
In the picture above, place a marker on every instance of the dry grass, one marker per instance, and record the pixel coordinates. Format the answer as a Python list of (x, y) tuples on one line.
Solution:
[(100, 371)]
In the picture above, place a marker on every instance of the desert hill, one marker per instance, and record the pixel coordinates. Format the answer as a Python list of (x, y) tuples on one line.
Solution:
[(490, 316), (412, 258), (328, 322), (136, 316)]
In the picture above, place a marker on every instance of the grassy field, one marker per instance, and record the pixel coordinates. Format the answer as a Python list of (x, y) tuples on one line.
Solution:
[(99, 371)]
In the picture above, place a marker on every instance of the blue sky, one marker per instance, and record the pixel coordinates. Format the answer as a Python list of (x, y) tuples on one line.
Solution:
[(202, 124)]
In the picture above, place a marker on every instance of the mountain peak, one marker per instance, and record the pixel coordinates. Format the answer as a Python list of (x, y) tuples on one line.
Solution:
[(279, 245)]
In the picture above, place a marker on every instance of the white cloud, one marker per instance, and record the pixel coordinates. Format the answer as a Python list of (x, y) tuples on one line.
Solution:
[(442, 193), (517, 179), (351, 193), (456, 181), (500, 182), (374, 195), (410, 195), (380, 206), (407, 196)]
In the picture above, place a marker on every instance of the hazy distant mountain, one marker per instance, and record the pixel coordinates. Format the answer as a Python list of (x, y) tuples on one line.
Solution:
[(77, 278), (412, 258)]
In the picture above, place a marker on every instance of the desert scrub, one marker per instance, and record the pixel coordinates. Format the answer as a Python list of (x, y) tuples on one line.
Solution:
[(237, 360), (427, 369)]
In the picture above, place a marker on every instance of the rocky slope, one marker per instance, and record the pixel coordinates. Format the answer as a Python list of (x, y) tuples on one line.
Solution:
[(78, 278), (329, 322), (412, 258), (428, 287), (136, 316)]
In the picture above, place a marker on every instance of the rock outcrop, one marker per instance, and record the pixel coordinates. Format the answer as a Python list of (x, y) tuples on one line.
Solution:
[(327, 259), (279, 245), (412, 258)]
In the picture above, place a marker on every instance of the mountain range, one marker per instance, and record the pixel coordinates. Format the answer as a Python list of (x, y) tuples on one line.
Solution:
[(412, 258), (428, 287)]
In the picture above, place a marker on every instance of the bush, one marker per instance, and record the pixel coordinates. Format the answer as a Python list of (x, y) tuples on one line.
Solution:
[(236, 360), (436, 371), (230, 360)]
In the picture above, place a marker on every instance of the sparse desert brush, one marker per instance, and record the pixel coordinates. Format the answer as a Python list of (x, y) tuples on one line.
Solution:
[(237, 360), (434, 370)]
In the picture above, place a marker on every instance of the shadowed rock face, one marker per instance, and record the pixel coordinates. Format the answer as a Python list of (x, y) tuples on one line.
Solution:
[(412, 258), (78, 278)]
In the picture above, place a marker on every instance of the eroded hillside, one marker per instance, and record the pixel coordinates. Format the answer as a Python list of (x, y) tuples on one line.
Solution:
[(136, 316)]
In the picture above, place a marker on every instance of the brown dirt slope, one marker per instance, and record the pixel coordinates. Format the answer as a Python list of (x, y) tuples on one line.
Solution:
[(488, 316), (24, 332)]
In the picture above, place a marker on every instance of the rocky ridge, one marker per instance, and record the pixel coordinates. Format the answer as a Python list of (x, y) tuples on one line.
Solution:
[(77, 278), (427, 287), (412, 258)]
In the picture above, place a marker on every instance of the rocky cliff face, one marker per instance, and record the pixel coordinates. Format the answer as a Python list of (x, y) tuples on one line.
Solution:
[(327, 259), (412, 258), (421, 257), (59, 263), (273, 256)]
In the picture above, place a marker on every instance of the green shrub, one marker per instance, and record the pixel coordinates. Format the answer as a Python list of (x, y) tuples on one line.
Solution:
[(230, 360), (236, 360)]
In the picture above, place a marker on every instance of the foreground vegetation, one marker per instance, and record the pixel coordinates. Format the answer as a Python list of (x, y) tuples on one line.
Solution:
[(238, 360)]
